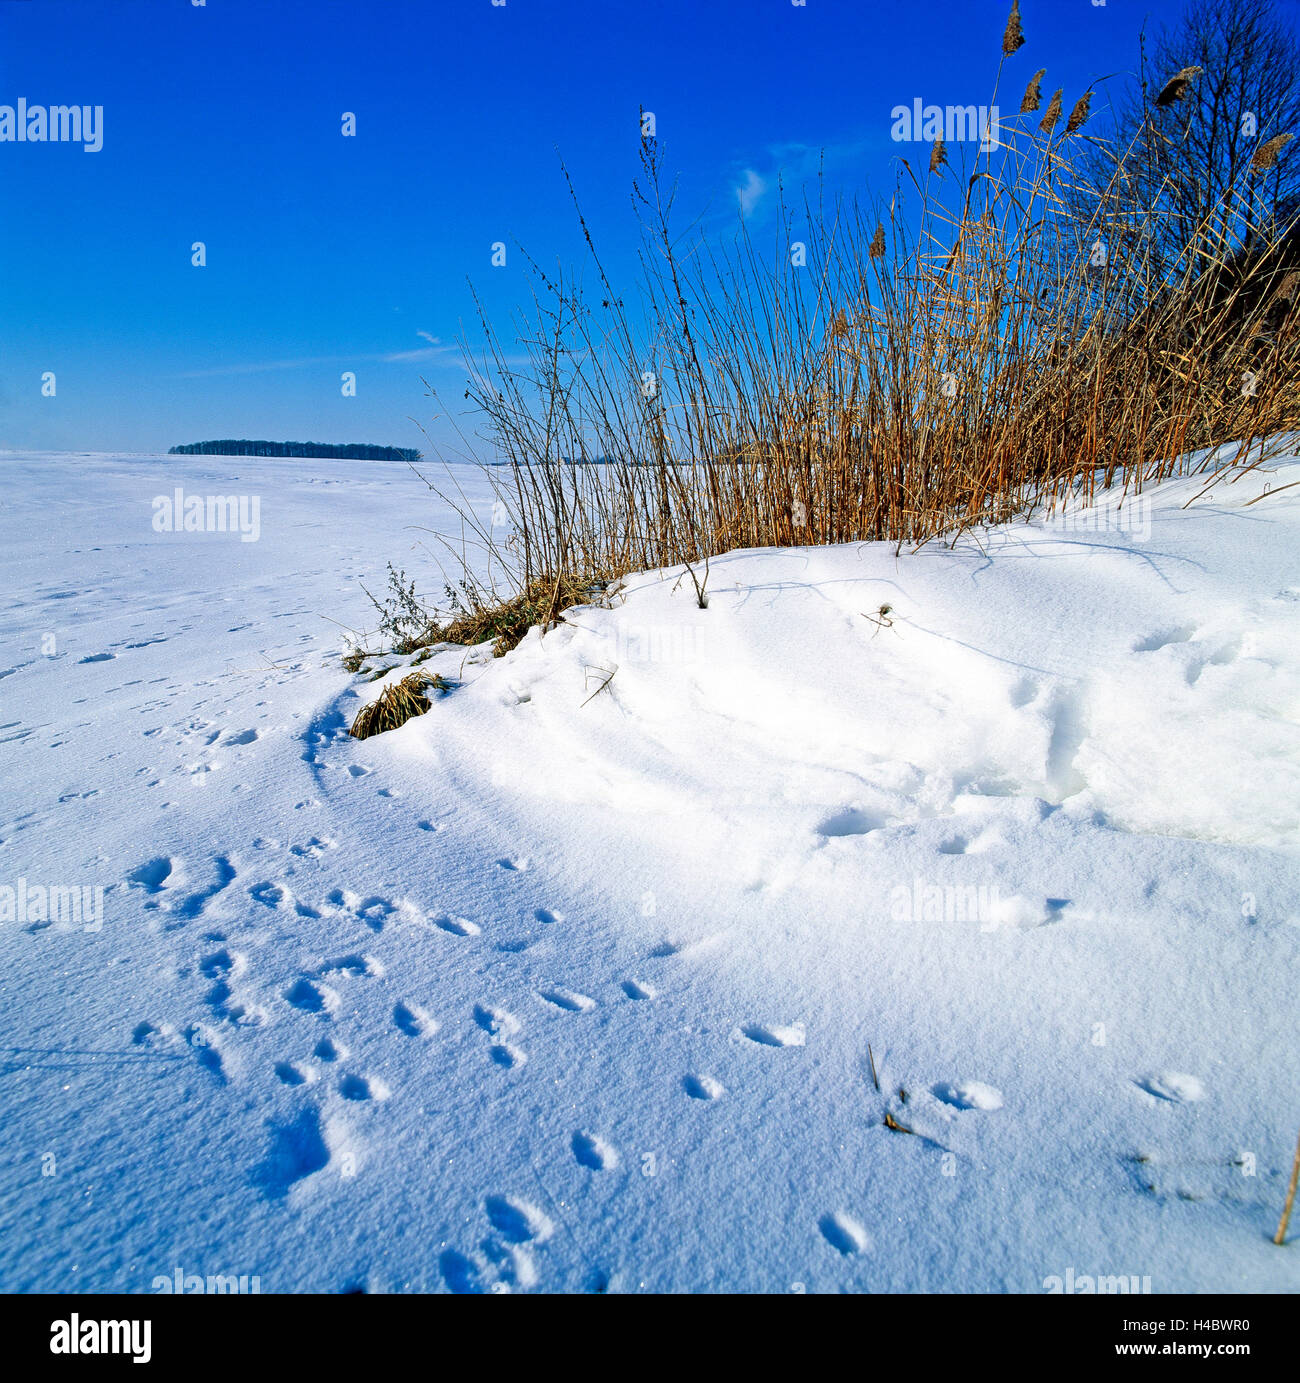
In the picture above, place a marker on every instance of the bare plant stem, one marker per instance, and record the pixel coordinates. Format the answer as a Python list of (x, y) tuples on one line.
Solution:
[(1280, 1236)]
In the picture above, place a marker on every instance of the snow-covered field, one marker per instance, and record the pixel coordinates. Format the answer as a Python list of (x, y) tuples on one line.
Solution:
[(559, 991)]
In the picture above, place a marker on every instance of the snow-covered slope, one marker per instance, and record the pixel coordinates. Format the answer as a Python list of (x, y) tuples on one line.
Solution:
[(577, 982)]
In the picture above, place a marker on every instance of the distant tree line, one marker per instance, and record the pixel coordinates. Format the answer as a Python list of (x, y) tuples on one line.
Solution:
[(337, 451)]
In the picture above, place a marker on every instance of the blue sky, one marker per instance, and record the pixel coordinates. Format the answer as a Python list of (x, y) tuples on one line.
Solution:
[(223, 124)]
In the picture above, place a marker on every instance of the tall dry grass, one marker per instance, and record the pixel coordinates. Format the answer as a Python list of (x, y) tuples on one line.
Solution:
[(998, 336)]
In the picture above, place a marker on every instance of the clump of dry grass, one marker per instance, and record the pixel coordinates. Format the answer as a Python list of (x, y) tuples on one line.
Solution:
[(1177, 86), (1033, 97), (984, 345), (541, 602), (396, 705), (1013, 36), (1266, 155)]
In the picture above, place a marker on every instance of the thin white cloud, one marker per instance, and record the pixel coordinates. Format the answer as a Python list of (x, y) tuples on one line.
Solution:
[(260, 367), (749, 191), (435, 351)]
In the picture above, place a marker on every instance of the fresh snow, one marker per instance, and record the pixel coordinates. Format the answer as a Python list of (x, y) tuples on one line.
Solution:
[(578, 982)]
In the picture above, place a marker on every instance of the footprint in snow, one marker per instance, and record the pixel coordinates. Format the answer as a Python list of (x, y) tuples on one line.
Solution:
[(290, 1074), (222, 964), (353, 1087), (969, 1094), (852, 821), (279, 898), (155, 875), (310, 997), (517, 1220), (594, 1152), (457, 926), (567, 999), (152, 1034), (356, 966), (413, 1020), (314, 848), (1173, 1086), (1153, 643), (770, 1035), (703, 1088), (495, 1021), (843, 1233)]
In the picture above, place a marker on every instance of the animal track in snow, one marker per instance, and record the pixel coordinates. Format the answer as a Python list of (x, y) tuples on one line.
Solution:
[(771, 1035), (329, 1050), (635, 989), (314, 848), (594, 1152), (1152, 643), (196, 903), (969, 1094), (280, 898), (1024, 691), (374, 911), (497, 1268), (1069, 729), (1223, 656), (703, 1088), (152, 1034), (1173, 1086), (457, 926), (312, 997), (567, 999), (155, 875), (413, 1020), (547, 917), (222, 964), (500, 1025), (298, 1149), (517, 1220), (356, 966), (353, 1087), (851, 821), (843, 1233), (294, 1075), (496, 1021)]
